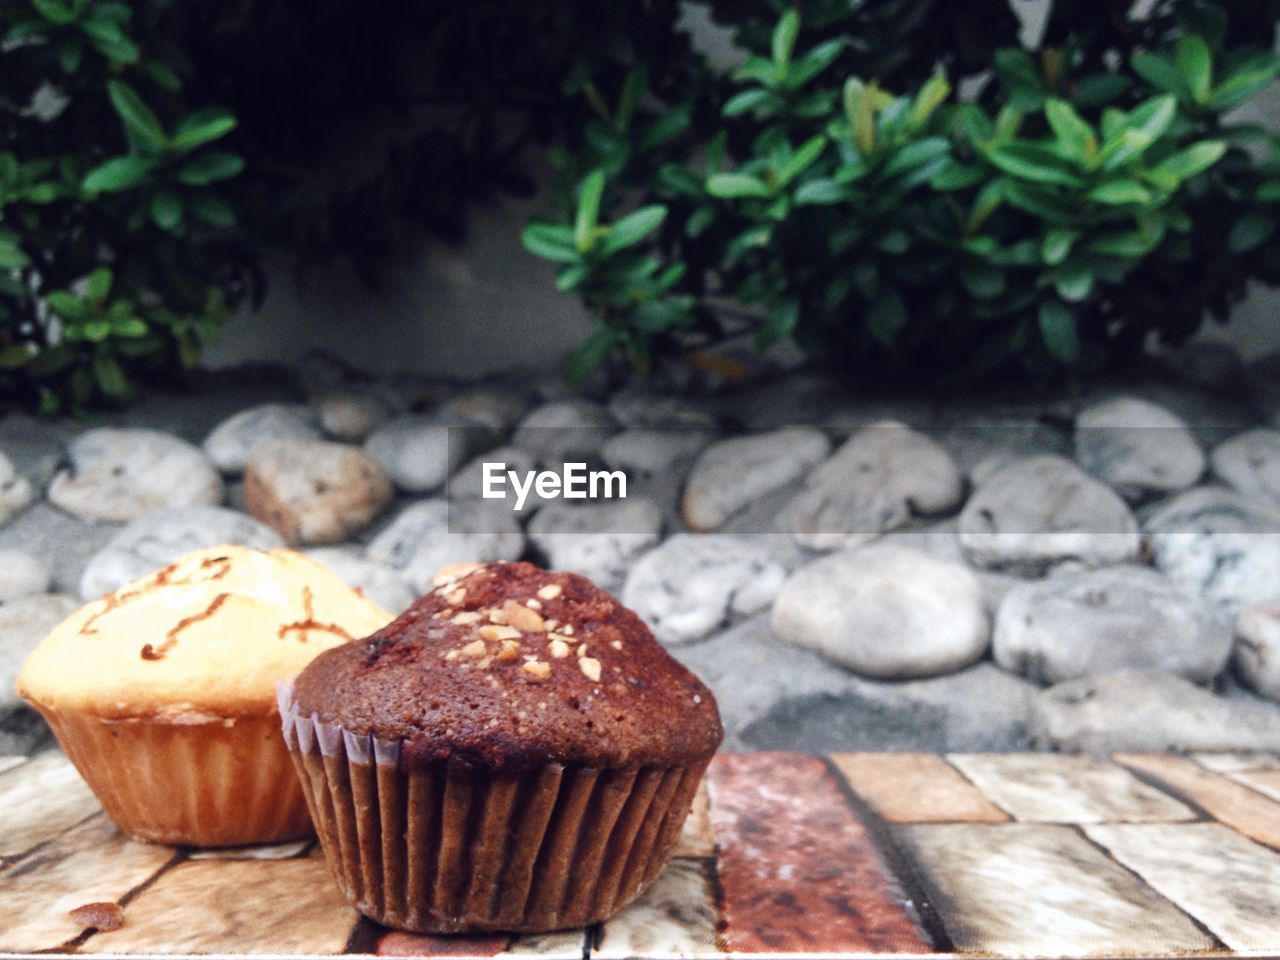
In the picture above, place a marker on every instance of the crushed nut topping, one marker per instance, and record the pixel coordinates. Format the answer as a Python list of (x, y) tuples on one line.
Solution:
[(550, 591), (509, 651), (491, 631), (466, 616), (559, 649), (485, 663), (538, 669), (474, 649), (582, 649), (552, 624), (591, 668), (522, 618), (567, 629), (533, 604), (451, 655), (453, 572), (616, 644), (454, 598)]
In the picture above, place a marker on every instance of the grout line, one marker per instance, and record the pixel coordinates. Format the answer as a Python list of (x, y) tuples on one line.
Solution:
[(1013, 817), (1213, 937), (1202, 814), (179, 856), (899, 864), (14, 859)]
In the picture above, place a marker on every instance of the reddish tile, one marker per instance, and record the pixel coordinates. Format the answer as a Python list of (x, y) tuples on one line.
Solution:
[(1236, 805), (798, 870), (915, 788), (398, 943)]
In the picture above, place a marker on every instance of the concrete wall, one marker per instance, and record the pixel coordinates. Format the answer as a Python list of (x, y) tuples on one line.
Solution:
[(488, 304)]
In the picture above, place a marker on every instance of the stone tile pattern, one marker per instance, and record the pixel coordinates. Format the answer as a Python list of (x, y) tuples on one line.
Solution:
[(866, 854)]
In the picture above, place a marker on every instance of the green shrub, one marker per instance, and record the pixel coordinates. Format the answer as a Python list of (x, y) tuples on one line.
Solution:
[(1092, 194), (112, 203), (150, 151)]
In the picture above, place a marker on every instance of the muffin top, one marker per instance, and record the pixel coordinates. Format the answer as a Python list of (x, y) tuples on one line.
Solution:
[(206, 638), (510, 667)]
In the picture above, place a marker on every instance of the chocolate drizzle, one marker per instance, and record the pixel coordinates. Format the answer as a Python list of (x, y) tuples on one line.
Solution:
[(156, 653), (309, 621)]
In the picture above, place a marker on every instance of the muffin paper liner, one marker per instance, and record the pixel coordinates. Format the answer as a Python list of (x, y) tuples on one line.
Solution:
[(455, 848), (215, 784)]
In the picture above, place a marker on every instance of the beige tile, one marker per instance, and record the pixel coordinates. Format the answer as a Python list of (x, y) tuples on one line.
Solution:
[(1236, 805), (251, 907), (1226, 882), (1230, 762), (1056, 788), (1266, 782), (696, 839), (39, 800), (1021, 889), (90, 863), (915, 788), (676, 917), (7, 763)]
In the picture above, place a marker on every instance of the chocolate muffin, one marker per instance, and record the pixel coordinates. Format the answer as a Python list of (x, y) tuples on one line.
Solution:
[(516, 752)]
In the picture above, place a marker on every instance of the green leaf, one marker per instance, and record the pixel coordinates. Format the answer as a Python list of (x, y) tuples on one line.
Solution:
[(1195, 63), (203, 126), (1034, 162), (166, 210), (209, 168), (916, 154), (982, 281), (987, 202), (212, 210), (1119, 192), (1195, 159), (590, 354), (111, 41), (821, 192), (588, 216), (110, 376), (97, 285), (11, 255), (747, 101), (67, 305), (572, 277), (633, 228), (138, 118), (550, 241), (1251, 231), (12, 358), (1126, 244), (803, 158), (1058, 331), (1244, 81), (1151, 118), (887, 315), (121, 173), (784, 38), (860, 108), (1161, 72), (931, 96), (780, 321), (1074, 282), (1074, 135), (1057, 243), (814, 62), (731, 186), (57, 12)]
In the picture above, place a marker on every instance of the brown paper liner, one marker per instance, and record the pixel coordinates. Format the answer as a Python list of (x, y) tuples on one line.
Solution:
[(218, 784), (453, 848)]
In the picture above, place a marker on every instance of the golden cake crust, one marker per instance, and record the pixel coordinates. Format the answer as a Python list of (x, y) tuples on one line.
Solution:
[(204, 639)]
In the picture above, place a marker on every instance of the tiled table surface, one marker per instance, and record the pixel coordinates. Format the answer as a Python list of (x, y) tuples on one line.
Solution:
[(785, 854)]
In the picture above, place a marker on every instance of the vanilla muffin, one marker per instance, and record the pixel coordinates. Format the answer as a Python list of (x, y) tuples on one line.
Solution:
[(163, 694)]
